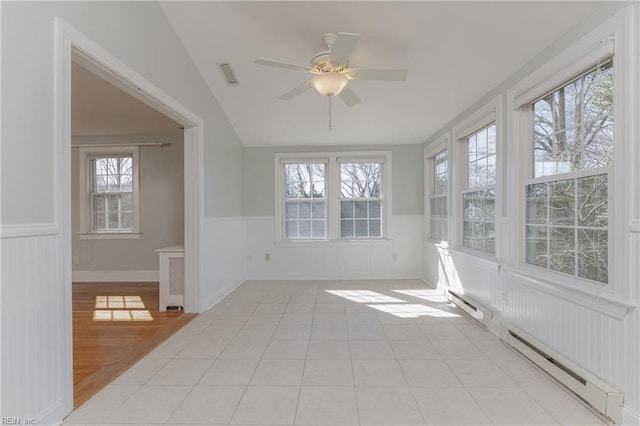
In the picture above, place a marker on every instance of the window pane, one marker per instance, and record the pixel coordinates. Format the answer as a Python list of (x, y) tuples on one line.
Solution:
[(360, 180), (101, 183), (346, 209), (573, 126), (112, 221), (536, 245), (593, 255), (317, 209), (537, 203), (291, 210), (361, 210), (126, 202), (317, 228), (113, 203), (562, 250), (99, 221), (374, 209), (346, 228), (361, 228), (562, 202), (304, 180), (593, 201), (99, 203), (374, 228), (292, 228), (125, 220), (304, 210), (304, 228)]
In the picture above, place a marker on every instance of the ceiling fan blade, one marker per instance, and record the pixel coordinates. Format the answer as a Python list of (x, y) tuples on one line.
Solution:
[(349, 96), (343, 46), (279, 64), (297, 91), (380, 74)]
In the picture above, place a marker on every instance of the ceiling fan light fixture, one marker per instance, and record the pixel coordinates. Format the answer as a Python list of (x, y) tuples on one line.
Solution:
[(329, 83)]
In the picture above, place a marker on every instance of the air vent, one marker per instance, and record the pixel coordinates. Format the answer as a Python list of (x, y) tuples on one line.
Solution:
[(228, 73)]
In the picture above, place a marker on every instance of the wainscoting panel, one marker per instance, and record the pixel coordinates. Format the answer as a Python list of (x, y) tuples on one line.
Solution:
[(222, 260), (397, 257), (35, 356)]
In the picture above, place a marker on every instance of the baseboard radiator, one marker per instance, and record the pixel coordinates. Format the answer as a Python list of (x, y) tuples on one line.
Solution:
[(472, 308), (597, 393)]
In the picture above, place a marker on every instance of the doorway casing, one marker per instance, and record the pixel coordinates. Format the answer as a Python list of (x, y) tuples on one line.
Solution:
[(73, 45)]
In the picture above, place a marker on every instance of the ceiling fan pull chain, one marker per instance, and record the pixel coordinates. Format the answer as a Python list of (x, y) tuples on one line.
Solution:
[(330, 125)]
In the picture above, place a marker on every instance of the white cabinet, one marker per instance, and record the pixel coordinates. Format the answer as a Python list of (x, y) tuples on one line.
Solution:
[(171, 276)]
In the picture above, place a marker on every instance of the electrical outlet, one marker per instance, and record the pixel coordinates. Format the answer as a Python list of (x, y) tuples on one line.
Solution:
[(267, 257), (76, 260)]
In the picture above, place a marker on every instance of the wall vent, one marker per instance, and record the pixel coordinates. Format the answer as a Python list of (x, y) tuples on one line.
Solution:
[(471, 308), (598, 394), (227, 72)]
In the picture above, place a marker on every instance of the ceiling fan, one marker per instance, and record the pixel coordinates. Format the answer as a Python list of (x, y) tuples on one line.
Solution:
[(331, 72)]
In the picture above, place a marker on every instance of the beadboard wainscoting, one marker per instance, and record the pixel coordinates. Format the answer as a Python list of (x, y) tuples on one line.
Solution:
[(223, 258), (397, 257), (598, 334), (36, 314)]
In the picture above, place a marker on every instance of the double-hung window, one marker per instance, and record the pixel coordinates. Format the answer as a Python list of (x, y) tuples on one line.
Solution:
[(567, 197), (305, 201), (478, 198), (332, 196), (438, 198), (108, 191), (360, 199)]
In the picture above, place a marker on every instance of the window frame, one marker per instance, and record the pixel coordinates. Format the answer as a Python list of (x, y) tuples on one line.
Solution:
[(332, 193), (611, 39), (441, 144), (86, 182)]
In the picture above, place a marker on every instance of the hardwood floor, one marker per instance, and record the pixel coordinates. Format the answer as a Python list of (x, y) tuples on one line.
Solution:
[(112, 333)]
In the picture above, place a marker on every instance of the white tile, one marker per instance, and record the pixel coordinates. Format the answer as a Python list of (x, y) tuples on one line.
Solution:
[(510, 406), (294, 332), (428, 373), (263, 332), (278, 372), (479, 372), (141, 372), (449, 406), (475, 332), (442, 332), (365, 318), (458, 349), (245, 349), (181, 372), (404, 332), (260, 318), (327, 405), (208, 404), (272, 308), (414, 349), (229, 372), (330, 308), (267, 405), (328, 349), (329, 332), (378, 372), (387, 406), (102, 405), (366, 332), (371, 349), (151, 404), (331, 372), (232, 318), (221, 331), (297, 318), (242, 307), (203, 349), (286, 349), (565, 408), (329, 318)]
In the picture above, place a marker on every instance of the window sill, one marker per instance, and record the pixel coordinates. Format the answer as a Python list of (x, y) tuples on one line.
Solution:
[(599, 300), (110, 235), (336, 243)]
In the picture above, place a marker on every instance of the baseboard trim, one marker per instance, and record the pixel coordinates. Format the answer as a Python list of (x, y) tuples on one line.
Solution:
[(115, 276), (219, 295)]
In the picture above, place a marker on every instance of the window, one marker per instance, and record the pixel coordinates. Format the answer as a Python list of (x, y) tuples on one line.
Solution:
[(360, 200), (108, 191), (438, 197), (478, 198), (332, 196), (305, 200), (567, 198)]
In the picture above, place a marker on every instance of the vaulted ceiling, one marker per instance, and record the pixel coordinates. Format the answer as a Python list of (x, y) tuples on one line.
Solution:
[(455, 53)]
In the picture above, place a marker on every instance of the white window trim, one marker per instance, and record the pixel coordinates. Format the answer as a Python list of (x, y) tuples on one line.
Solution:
[(491, 112), (443, 142), (615, 34), (332, 188), (85, 178)]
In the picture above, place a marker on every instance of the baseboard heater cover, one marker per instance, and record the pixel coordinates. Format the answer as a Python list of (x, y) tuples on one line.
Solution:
[(600, 395), (472, 308)]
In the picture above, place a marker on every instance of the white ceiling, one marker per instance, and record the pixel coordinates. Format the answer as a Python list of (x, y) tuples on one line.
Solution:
[(455, 52), (99, 108)]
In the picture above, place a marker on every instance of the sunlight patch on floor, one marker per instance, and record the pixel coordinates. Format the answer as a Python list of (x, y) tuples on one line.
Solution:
[(364, 296), (430, 295), (120, 308), (410, 310)]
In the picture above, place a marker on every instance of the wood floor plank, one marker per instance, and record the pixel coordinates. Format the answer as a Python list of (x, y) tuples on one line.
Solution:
[(102, 350)]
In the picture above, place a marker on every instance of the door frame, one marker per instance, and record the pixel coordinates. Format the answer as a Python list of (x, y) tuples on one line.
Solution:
[(71, 45)]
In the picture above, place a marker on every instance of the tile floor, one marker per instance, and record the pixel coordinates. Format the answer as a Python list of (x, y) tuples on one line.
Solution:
[(387, 352)]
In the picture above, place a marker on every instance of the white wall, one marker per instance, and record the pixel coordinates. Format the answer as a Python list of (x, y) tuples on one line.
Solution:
[(35, 355), (601, 333)]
